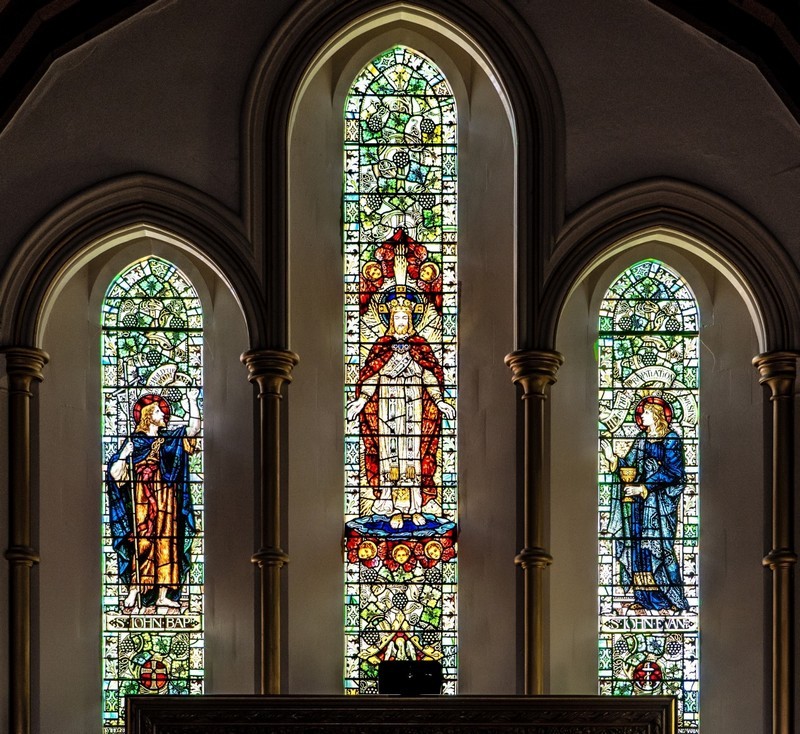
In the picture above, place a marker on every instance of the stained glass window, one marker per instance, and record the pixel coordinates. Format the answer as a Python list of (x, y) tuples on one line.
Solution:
[(152, 378), (400, 368), (648, 488)]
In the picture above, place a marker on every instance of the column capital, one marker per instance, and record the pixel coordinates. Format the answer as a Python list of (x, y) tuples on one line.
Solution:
[(534, 369), (778, 370), (269, 368), (780, 558), (25, 362)]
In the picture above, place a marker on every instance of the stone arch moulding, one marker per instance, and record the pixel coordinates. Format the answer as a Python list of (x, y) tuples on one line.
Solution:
[(73, 232), (505, 42), (688, 216)]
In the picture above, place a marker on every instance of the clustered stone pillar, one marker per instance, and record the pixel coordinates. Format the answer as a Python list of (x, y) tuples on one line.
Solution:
[(534, 371), (23, 366), (777, 370), (269, 370)]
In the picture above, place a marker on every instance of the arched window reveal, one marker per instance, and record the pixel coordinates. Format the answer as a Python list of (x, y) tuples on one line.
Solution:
[(648, 483), (152, 377), (400, 368)]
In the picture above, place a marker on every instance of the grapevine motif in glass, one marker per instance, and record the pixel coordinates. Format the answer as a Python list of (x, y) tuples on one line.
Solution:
[(400, 368), (648, 354), (151, 360)]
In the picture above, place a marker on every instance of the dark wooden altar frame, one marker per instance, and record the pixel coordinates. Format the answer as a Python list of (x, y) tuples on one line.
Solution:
[(290, 714)]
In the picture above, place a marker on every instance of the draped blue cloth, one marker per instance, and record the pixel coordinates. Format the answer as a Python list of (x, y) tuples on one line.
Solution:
[(174, 469), (645, 529)]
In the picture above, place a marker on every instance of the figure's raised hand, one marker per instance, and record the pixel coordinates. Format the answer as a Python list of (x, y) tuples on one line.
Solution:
[(448, 411), (193, 393), (608, 453), (354, 407)]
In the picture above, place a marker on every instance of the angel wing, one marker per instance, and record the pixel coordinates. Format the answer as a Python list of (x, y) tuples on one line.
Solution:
[(430, 326), (371, 325)]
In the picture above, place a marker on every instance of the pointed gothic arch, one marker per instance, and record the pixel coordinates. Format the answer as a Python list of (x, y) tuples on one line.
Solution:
[(293, 149), (153, 599), (696, 220), (400, 203), (490, 32), (117, 211), (68, 261), (648, 358), (730, 334)]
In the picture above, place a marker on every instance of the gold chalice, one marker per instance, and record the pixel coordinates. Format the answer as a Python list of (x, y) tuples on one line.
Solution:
[(628, 476)]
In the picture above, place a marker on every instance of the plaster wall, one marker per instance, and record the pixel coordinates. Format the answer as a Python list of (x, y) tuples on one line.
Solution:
[(643, 95), (161, 93), (646, 95)]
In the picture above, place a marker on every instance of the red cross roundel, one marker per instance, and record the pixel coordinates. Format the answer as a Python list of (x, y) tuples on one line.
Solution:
[(154, 675)]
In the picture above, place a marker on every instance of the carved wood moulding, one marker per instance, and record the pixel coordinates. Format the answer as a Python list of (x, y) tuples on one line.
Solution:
[(399, 715)]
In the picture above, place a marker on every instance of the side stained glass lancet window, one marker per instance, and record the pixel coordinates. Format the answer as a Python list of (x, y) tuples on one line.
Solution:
[(648, 489), (152, 378), (400, 368)]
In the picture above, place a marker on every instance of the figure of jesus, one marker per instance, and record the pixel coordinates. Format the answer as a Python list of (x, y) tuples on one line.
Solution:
[(400, 404), (150, 505)]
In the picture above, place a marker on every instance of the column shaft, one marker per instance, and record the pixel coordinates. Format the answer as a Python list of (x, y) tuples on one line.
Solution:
[(269, 370), (535, 371), (777, 370), (23, 366)]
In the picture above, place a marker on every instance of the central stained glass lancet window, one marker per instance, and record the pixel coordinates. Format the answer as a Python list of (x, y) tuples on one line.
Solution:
[(152, 378), (400, 369), (648, 489)]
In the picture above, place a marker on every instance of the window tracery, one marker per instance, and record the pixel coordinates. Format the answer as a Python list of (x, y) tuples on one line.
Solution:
[(152, 379), (648, 355), (400, 368)]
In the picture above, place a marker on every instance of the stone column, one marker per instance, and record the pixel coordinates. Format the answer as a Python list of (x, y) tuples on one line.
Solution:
[(23, 366), (534, 371), (269, 369), (777, 370)]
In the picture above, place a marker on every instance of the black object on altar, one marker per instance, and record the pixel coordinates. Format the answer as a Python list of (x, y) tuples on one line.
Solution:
[(410, 677)]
